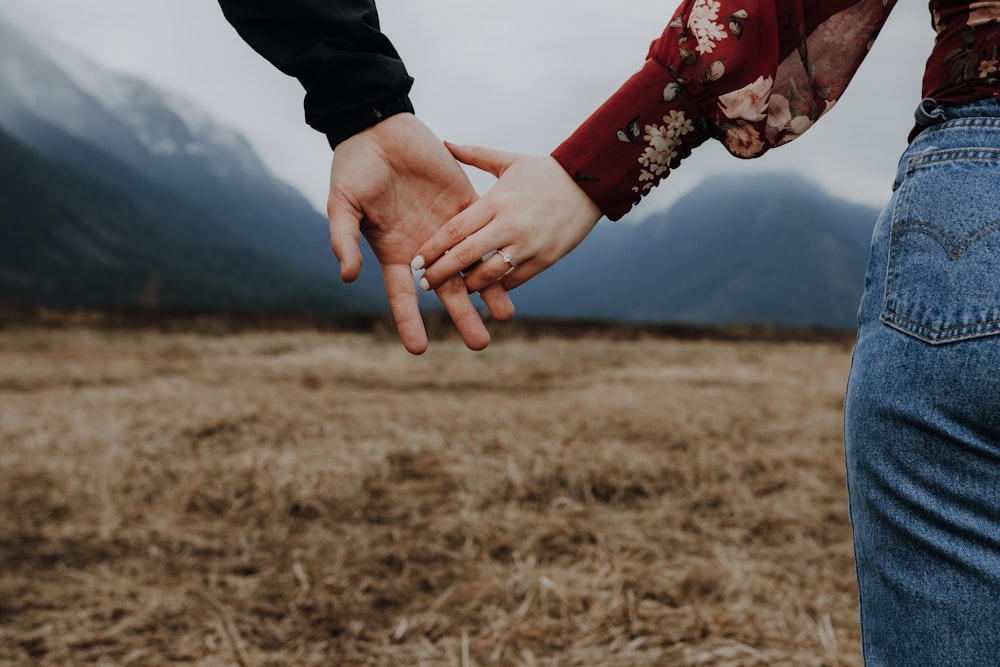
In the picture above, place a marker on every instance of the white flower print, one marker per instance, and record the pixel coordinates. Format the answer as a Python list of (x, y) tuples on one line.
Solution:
[(785, 123), (671, 91), (714, 72), (703, 24), (799, 125), (657, 156), (779, 113), (678, 123), (663, 140), (749, 102), (742, 139)]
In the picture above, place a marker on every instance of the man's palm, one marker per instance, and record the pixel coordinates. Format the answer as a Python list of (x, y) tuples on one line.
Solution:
[(397, 184)]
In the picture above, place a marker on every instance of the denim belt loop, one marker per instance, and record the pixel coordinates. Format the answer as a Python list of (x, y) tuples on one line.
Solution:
[(929, 112)]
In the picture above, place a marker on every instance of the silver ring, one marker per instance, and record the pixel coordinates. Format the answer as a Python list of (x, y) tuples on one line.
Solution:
[(505, 257)]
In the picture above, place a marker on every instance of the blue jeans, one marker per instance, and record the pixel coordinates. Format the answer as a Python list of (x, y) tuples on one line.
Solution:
[(922, 415)]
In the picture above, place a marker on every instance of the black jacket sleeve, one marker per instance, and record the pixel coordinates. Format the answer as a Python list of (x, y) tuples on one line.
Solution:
[(352, 74)]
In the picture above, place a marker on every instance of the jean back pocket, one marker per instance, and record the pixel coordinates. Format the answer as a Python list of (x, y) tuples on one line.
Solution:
[(943, 272)]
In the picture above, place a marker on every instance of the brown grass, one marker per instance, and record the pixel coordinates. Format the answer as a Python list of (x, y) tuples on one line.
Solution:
[(317, 498)]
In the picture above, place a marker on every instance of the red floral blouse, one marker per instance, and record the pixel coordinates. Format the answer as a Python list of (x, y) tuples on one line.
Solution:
[(756, 74)]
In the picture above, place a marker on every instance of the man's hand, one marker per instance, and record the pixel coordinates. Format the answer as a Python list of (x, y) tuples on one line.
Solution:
[(397, 184)]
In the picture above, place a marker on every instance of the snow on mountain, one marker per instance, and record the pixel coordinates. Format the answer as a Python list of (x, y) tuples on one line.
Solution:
[(15, 76), (166, 123), (130, 177), (31, 85), (113, 91), (124, 115)]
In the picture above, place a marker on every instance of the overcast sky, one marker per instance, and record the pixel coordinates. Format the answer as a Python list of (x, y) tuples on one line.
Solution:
[(518, 75)]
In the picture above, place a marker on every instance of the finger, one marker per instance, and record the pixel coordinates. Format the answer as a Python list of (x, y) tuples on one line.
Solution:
[(483, 158), (497, 301), (402, 297), (345, 237), (522, 274), (473, 218), (459, 258), (450, 235), (463, 313), (489, 271)]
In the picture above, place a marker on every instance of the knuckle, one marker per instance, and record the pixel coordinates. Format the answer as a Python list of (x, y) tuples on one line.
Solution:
[(335, 205), (494, 272), (465, 255), (453, 230), (483, 278), (451, 288)]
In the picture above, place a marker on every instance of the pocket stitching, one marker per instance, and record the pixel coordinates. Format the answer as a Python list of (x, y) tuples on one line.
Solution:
[(901, 319), (952, 155), (957, 249)]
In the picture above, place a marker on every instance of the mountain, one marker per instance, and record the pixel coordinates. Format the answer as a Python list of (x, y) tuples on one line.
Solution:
[(67, 239), (172, 198), (760, 249)]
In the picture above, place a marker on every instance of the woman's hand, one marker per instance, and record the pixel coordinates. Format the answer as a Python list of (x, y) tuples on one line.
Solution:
[(533, 216)]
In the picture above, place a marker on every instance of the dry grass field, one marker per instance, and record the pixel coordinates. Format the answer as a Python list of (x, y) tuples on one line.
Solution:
[(320, 498)]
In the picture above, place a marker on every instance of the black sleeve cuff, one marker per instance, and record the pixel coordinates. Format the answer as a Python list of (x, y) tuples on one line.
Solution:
[(344, 124)]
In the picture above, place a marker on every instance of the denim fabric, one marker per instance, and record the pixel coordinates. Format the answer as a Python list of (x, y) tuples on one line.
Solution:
[(922, 415)]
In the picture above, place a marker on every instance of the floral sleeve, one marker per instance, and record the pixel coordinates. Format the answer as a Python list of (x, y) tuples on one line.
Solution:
[(753, 74)]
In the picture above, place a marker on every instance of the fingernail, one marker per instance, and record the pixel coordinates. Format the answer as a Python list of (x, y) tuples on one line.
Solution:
[(417, 263), (424, 285)]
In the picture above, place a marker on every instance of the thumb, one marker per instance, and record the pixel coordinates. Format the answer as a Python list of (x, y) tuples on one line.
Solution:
[(487, 159), (345, 237)]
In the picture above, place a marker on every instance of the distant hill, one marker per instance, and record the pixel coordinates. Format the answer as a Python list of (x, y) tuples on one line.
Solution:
[(761, 249), (68, 239), (139, 198)]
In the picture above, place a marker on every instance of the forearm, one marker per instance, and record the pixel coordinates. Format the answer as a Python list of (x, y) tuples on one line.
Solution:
[(352, 74), (753, 74)]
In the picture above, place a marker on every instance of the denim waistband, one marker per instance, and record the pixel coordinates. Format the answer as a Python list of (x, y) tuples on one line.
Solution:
[(929, 112)]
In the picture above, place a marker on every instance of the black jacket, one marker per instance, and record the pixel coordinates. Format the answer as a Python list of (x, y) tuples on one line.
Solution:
[(352, 74)]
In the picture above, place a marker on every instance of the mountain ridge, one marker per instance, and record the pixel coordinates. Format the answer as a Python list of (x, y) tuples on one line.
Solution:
[(205, 196), (768, 248), (90, 246)]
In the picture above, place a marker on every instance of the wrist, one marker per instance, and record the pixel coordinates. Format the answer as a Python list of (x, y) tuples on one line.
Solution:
[(584, 208)]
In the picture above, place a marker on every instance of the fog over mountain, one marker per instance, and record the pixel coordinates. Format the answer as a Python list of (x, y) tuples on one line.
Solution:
[(116, 193), (180, 178)]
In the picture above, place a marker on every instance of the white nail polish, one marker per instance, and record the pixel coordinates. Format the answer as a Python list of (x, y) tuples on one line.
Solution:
[(424, 285), (417, 263)]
